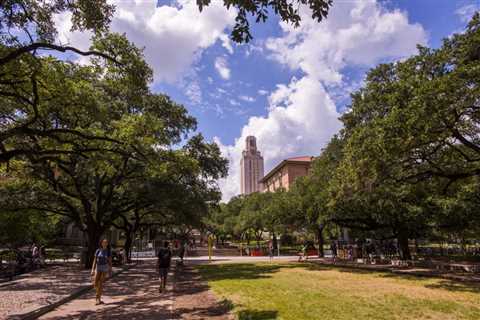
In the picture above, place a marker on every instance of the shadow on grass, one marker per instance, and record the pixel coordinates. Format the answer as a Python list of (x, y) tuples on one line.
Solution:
[(237, 271), (257, 315), (249, 271), (252, 271), (456, 286)]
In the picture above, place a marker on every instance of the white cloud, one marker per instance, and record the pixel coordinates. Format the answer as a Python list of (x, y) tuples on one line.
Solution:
[(226, 43), (262, 92), (302, 115), (247, 98), (355, 33), (301, 124), (466, 12), (174, 36), (234, 102), (221, 66), (193, 92)]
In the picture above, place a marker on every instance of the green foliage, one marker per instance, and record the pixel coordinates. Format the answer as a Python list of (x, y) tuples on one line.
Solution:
[(288, 11), (407, 163), (20, 228), (412, 151), (103, 151)]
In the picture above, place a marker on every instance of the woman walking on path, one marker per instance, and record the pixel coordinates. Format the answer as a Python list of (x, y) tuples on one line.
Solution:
[(101, 268)]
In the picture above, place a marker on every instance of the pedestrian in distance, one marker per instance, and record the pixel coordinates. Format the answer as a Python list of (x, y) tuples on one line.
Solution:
[(303, 255), (270, 249), (333, 248), (181, 252), (101, 269), (35, 261), (164, 259)]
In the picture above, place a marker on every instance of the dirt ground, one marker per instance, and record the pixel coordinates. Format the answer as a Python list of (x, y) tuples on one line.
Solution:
[(194, 300)]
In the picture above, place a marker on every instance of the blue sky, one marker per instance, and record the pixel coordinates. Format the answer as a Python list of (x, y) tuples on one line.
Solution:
[(288, 86), (256, 72)]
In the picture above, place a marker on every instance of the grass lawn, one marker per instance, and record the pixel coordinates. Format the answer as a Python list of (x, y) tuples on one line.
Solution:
[(296, 291)]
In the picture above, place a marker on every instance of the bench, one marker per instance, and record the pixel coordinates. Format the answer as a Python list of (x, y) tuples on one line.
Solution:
[(458, 267)]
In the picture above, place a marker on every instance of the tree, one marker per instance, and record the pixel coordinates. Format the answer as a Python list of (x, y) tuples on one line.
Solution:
[(139, 130), (427, 109), (310, 195), (412, 132), (27, 30), (34, 91), (26, 226)]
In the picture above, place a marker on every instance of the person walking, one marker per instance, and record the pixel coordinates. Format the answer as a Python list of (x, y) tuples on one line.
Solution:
[(270, 249), (181, 252), (101, 269), (35, 261), (303, 255), (333, 248), (164, 260)]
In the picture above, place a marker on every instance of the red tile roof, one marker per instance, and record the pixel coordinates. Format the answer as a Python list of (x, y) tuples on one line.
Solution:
[(284, 162), (304, 158)]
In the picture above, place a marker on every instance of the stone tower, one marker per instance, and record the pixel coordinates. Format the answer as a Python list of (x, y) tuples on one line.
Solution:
[(251, 167)]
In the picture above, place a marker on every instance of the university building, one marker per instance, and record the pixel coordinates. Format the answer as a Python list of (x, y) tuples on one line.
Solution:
[(286, 172)]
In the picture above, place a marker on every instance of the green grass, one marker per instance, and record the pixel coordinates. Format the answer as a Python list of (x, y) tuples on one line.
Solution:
[(305, 291)]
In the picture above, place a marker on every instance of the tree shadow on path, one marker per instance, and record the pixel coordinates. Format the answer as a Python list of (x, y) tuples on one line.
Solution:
[(131, 295)]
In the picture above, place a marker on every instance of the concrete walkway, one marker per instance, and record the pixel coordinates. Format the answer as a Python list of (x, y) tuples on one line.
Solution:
[(131, 295), (134, 295), (40, 288)]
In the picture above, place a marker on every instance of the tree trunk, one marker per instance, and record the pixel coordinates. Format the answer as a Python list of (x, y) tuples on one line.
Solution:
[(320, 241), (92, 245), (403, 246), (128, 245)]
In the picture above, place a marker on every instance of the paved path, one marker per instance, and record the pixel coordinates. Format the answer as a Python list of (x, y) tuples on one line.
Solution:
[(133, 295), (40, 288)]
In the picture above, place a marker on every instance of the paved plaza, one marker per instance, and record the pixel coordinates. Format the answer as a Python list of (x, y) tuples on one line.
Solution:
[(41, 288), (133, 294)]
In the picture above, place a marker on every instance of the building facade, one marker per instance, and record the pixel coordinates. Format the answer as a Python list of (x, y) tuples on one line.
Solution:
[(285, 173), (251, 167)]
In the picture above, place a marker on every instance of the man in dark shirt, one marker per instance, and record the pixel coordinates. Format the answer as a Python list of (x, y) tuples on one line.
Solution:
[(164, 259)]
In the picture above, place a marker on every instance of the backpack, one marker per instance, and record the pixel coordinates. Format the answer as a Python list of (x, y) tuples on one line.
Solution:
[(164, 256)]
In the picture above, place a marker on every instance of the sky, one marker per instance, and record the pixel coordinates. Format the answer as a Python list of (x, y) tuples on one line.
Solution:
[(289, 85)]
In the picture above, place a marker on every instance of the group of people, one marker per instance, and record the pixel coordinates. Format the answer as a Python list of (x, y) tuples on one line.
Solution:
[(102, 266), (38, 255)]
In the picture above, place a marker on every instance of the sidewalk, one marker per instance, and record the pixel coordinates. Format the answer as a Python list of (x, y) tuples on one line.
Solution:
[(131, 295), (134, 295), (40, 288)]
